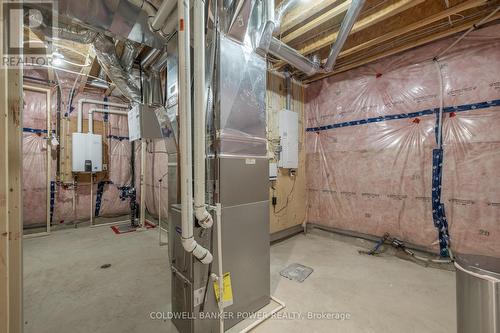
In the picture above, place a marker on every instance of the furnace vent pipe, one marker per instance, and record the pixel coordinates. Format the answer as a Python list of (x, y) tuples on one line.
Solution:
[(79, 122), (170, 26), (185, 144), (345, 28), (110, 111), (200, 102)]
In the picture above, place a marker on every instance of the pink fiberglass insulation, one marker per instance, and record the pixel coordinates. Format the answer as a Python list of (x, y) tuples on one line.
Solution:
[(157, 159), (34, 158), (72, 203), (371, 134)]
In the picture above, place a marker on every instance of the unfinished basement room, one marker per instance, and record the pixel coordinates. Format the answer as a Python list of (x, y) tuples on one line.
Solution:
[(263, 166)]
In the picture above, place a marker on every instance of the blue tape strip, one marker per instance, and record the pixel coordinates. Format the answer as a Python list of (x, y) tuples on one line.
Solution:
[(98, 198), (34, 130), (438, 213), (52, 198), (71, 108), (459, 108), (106, 115)]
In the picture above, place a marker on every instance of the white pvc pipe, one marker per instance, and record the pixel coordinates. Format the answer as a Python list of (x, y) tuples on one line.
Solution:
[(220, 271), (143, 185), (441, 102), (93, 101), (185, 144), (91, 116), (200, 101), (270, 7), (166, 8), (170, 26), (159, 212)]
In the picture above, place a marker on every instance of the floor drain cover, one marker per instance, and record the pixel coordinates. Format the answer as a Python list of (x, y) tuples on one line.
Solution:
[(296, 272)]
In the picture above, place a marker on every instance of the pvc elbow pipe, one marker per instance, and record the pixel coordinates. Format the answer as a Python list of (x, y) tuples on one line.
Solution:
[(79, 126), (166, 8), (202, 254), (185, 143), (204, 217), (91, 116), (200, 102)]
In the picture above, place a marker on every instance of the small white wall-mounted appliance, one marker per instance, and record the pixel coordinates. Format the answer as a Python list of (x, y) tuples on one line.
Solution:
[(86, 152), (289, 139)]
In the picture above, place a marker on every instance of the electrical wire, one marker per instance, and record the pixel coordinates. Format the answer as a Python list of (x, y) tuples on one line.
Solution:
[(287, 198)]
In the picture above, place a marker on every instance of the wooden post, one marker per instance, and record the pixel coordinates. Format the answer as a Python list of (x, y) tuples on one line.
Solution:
[(10, 187)]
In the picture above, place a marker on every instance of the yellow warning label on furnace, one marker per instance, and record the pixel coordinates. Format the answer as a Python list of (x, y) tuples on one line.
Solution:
[(227, 296)]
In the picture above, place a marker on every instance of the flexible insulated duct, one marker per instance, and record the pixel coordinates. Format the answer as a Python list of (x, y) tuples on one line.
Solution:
[(106, 55), (124, 81), (130, 52)]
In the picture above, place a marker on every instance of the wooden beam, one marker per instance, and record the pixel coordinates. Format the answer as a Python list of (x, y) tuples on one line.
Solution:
[(417, 25), (86, 70), (303, 13), (366, 22), (408, 46), (329, 15)]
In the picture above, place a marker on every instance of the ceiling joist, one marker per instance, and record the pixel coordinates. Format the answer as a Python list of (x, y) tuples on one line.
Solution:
[(410, 45), (385, 27)]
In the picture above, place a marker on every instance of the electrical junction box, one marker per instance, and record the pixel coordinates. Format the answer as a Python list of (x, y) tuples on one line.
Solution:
[(143, 123), (273, 171), (289, 139), (86, 152)]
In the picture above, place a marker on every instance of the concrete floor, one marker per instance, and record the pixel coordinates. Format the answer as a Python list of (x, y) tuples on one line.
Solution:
[(65, 290)]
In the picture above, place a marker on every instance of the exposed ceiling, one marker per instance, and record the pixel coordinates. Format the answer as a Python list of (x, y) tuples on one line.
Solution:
[(385, 27)]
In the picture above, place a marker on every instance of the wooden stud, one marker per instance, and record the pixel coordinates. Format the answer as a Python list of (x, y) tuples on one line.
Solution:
[(11, 189)]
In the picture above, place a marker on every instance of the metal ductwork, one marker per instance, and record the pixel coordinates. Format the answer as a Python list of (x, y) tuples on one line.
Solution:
[(270, 44), (149, 58), (124, 81), (118, 17), (239, 23), (106, 55), (130, 52), (293, 57), (156, 90), (345, 28)]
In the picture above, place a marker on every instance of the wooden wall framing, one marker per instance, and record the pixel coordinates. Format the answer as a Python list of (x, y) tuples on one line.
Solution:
[(11, 271), (284, 187)]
